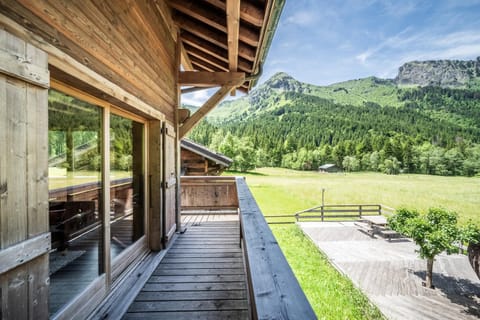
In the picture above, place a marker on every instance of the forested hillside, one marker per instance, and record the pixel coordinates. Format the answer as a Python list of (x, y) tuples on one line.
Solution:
[(365, 124)]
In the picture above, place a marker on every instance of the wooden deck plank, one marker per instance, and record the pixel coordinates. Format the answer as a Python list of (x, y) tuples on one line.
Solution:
[(192, 295), (205, 255), (198, 315), (205, 250), (200, 265), (197, 278), (188, 305), (202, 276), (201, 286), (201, 260), (176, 272)]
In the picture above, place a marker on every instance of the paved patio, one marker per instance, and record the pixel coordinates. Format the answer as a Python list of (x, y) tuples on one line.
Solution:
[(391, 274)]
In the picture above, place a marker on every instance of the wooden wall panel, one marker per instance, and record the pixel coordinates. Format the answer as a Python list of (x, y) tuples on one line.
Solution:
[(155, 185), (23, 178), (208, 193), (128, 43)]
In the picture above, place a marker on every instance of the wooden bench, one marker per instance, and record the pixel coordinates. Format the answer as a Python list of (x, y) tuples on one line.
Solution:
[(389, 234), (365, 227)]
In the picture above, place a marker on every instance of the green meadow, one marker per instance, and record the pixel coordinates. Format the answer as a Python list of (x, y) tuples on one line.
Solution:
[(281, 192)]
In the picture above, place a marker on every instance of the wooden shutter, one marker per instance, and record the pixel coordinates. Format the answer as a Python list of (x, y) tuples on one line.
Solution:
[(24, 230), (169, 180)]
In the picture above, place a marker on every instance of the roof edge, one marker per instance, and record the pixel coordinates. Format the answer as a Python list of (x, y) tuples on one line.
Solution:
[(268, 33), (205, 152)]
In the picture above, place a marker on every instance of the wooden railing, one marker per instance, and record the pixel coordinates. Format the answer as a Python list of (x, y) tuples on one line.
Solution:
[(273, 289), (339, 211), (208, 194), (274, 292)]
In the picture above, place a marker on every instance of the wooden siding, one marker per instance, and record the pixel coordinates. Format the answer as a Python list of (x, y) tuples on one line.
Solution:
[(23, 179), (127, 43), (208, 193)]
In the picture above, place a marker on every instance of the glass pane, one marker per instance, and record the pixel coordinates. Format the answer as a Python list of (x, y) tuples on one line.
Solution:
[(75, 161), (126, 175)]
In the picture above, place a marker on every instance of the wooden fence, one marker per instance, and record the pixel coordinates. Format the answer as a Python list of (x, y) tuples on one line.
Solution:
[(339, 211)]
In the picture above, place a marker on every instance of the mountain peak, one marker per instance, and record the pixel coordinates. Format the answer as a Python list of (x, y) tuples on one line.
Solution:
[(284, 82)]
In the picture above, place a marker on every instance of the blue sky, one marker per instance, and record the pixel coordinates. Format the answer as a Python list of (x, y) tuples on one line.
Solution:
[(323, 42), (328, 41)]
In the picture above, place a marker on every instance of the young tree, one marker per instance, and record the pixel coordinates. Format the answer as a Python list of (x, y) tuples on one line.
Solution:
[(351, 164), (434, 232)]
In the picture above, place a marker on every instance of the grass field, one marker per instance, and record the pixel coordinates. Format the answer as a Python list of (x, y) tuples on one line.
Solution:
[(280, 191), (331, 294)]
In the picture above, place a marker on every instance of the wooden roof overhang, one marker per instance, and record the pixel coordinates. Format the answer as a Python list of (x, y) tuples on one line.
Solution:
[(205, 152), (108, 48), (222, 43)]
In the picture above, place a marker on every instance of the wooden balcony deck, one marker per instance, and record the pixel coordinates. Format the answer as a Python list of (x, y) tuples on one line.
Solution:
[(206, 273), (202, 276), (390, 273)]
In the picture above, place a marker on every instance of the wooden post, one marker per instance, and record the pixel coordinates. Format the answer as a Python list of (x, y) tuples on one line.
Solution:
[(154, 181), (179, 52)]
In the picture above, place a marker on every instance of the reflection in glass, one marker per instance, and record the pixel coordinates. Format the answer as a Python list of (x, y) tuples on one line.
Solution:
[(75, 217), (126, 176)]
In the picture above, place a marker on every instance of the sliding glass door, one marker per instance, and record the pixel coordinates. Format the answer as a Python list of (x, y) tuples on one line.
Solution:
[(96, 193), (126, 183)]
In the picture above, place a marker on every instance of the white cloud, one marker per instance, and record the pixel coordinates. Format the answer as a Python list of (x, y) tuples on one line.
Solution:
[(399, 8), (196, 98), (303, 18)]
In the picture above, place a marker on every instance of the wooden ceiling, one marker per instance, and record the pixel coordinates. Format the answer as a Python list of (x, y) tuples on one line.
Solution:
[(225, 35)]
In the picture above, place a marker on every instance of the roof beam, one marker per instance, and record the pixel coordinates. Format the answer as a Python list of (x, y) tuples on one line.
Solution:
[(208, 79), (248, 12), (246, 35), (233, 27), (203, 44), (220, 62), (199, 11), (204, 110), (185, 60)]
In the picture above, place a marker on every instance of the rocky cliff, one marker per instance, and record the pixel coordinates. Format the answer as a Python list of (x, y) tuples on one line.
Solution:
[(443, 73)]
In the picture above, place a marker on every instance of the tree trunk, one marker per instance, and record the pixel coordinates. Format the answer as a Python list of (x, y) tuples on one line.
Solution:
[(474, 257), (429, 277)]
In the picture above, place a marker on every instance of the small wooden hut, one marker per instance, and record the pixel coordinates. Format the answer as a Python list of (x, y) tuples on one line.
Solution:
[(198, 160), (328, 168)]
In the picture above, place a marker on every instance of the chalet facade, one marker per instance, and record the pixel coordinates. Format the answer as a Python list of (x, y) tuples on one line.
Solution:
[(198, 160), (90, 129)]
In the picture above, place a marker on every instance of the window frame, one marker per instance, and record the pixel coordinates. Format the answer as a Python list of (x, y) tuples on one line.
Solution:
[(130, 256)]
